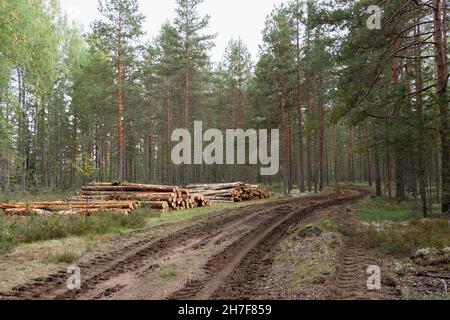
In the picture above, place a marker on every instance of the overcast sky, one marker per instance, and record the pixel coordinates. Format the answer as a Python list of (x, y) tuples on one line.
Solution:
[(229, 18)]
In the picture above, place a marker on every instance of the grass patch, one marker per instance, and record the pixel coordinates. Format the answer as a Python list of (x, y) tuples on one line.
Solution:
[(167, 273), (61, 257), (383, 215), (405, 240), (380, 209), (330, 225), (35, 229)]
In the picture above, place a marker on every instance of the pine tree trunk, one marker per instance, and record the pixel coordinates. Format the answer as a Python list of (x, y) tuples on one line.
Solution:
[(186, 55), (168, 172), (421, 145), (368, 158), (74, 150), (388, 166), (441, 92), (321, 138), (289, 150), (309, 131), (284, 134), (301, 158), (350, 157), (121, 153), (336, 161), (379, 191)]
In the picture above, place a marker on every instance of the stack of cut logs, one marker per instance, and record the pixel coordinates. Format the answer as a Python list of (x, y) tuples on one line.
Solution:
[(229, 192), (159, 197), (123, 198), (69, 207)]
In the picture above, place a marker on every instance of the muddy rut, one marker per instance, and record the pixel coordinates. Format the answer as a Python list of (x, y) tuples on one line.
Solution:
[(224, 255)]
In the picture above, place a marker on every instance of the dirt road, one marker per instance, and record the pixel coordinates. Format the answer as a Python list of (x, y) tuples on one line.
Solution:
[(223, 255)]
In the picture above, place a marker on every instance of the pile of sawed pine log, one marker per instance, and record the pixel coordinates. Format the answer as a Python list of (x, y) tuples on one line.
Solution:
[(229, 192), (69, 207), (123, 198), (160, 197)]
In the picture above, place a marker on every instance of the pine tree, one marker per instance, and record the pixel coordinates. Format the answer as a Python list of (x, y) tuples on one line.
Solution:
[(238, 66), (278, 43), (116, 34), (195, 45)]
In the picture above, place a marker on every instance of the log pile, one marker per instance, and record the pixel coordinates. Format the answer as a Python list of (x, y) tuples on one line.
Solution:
[(124, 198), (229, 192), (69, 208), (158, 197)]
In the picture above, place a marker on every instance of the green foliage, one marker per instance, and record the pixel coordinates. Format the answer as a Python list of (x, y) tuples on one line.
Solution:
[(167, 273), (385, 214), (190, 26), (237, 72), (405, 240), (330, 225), (67, 257), (121, 25), (85, 168), (380, 209), (35, 229), (58, 93)]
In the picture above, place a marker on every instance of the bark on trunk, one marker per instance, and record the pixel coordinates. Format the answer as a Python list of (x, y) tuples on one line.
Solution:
[(441, 92)]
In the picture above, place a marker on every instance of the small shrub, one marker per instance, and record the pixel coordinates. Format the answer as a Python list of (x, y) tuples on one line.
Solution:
[(167, 273), (329, 225), (405, 240), (37, 229), (62, 257)]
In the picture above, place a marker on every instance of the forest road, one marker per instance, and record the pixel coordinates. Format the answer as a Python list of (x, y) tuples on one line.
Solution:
[(224, 255)]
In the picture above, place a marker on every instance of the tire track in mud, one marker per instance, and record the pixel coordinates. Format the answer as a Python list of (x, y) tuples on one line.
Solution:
[(350, 281), (236, 272), (133, 256), (351, 276)]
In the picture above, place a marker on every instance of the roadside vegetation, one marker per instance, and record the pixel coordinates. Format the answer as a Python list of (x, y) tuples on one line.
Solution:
[(397, 228), (15, 231), (396, 233), (403, 240), (61, 257), (34, 196), (380, 209), (166, 273), (25, 230)]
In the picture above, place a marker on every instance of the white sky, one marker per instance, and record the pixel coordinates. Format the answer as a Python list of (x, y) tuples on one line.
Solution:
[(229, 18)]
